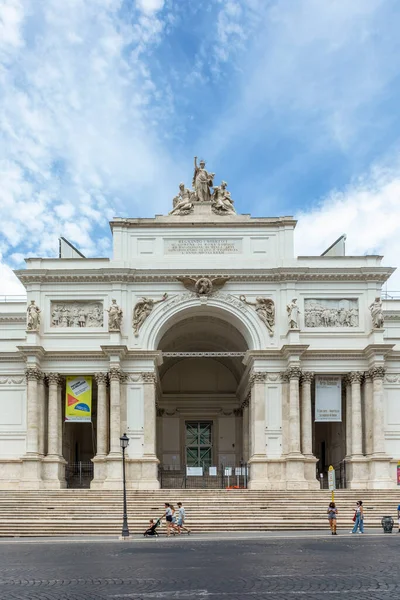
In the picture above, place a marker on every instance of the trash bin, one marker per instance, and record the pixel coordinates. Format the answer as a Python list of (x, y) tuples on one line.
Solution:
[(387, 524)]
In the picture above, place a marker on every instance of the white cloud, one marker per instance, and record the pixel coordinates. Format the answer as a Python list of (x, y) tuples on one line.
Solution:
[(150, 6), (368, 211)]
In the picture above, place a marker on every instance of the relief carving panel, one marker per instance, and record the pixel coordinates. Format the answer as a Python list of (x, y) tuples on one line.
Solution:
[(329, 312), (77, 314)]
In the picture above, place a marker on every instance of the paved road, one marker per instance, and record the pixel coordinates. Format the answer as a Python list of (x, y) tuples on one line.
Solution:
[(346, 567)]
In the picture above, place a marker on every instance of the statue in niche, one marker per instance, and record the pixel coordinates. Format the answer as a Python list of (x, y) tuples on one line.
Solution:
[(293, 314), (222, 203), (32, 317), (203, 286), (115, 315), (377, 313), (183, 202), (265, 308), (142, 310), (202, 181)]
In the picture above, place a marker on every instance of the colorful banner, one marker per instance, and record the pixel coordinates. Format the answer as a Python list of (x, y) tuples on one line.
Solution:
[(78, 399), (328, 398)]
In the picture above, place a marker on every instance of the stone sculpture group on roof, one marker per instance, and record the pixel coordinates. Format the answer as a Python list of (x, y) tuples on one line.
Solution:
[(220, 198)]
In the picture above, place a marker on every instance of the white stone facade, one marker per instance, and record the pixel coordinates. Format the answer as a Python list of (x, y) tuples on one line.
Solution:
[(206, 337)]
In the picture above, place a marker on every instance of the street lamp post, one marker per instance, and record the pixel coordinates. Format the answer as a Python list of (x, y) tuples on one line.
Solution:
[(124, 441)]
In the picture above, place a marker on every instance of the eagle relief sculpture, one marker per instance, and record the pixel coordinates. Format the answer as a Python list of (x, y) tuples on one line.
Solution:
[(203, 191), (203, 286)]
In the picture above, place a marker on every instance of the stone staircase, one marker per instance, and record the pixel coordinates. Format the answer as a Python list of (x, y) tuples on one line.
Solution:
[(90, 512)]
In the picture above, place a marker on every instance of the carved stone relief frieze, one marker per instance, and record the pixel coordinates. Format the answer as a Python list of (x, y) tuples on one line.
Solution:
[(329, 312), (392, 377), (12, 380), (77, 314)]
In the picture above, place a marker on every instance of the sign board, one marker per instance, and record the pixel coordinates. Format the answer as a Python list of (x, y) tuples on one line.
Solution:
[(78, 399), (212, 471), (398, 473), (228, 471), (239, 471), (331, 479), (328, 398), (194, 471)]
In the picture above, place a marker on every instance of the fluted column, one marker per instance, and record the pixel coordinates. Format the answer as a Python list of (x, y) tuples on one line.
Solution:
[(115, 410), (306, 413), (257, 401), (349, 431), (102, 381), (245, 429), (33, 375), (356, 417), (149, 385), (368, 412), (42, 415), (293, 374), (54, 415), (378, 433)]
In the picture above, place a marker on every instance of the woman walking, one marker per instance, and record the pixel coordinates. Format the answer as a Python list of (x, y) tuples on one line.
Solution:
[(332, 512), (168, 517), (359, 518)]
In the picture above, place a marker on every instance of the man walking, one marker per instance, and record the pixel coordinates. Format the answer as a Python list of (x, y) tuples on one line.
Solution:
[(181, 519), (398, 517)]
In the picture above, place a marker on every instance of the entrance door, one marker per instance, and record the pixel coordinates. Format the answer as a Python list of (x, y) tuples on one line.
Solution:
[(198, 440)]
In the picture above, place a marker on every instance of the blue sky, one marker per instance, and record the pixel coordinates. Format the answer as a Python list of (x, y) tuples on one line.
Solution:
[(104, 103)]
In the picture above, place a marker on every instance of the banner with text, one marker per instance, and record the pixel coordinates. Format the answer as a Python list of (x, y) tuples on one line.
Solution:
[(78, 399), (328, 398)]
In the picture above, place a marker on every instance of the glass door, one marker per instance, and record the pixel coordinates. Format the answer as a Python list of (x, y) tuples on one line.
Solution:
[(198, 440)]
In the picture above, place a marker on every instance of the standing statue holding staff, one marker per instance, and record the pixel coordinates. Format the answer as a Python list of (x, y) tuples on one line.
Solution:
[(202, 181), (32, 317), (376, 313), (293, 314), (114, 316)]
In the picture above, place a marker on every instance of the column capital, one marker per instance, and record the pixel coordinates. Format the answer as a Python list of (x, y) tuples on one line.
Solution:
[(33, 374), (238, 412), (307, 377), (367, 377), (115, 374), (246, 401), (292, 373), (257, 377), (101, 378), (149, 377), (53, 378), (355, 376), (376, 372)]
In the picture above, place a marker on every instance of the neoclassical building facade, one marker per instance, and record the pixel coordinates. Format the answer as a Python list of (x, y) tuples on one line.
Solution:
[(208, 342)]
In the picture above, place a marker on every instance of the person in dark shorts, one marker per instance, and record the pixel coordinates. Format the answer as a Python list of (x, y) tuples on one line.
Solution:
[(180, 521), (332, 512), (168, 517)]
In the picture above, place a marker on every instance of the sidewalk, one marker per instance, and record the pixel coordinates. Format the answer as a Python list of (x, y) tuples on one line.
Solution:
[(197, 537)]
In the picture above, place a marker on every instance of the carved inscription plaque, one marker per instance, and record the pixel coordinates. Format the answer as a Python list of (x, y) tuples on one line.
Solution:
[(203, 246)]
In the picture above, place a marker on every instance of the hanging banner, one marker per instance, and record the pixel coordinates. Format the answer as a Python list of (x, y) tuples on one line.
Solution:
[(78, 399), (328, 398)]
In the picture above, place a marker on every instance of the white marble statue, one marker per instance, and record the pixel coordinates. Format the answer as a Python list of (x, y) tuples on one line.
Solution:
[(115, 315), (376, 313), (265, 309), (203, 286), (202, 181), (222, 202), (183, 202), (293, 314), (142, 310), (32, 317)]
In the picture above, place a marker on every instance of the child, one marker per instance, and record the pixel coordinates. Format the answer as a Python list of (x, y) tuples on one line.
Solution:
[(152, 528), (332, 512)]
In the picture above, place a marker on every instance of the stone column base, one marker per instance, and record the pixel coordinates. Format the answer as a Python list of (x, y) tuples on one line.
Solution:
[(31, 473), (53, 469), (357, 473), (310, 472), (379, 473), (295, 479), (142, 473), (99, 472), (258, 473)]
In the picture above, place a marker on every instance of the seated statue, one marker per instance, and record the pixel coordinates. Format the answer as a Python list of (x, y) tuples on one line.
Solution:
[(182, 203), (222, 202)]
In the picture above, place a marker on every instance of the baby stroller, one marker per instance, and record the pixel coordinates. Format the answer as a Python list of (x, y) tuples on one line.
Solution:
[(152, 531)]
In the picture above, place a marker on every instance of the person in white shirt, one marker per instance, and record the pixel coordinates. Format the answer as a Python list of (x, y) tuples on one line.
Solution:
[(181, 519)]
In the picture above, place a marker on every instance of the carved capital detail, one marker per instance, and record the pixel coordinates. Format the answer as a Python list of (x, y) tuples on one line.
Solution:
[(238, 412), (53, 378), (292, 373), (256, 377), (115, 374), (377, 372), (307, 377), (355, 377), (33, 374), (149, 377), (101, 378)]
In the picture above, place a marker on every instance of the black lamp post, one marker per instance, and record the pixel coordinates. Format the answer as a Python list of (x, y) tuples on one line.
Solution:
[(124, 441)]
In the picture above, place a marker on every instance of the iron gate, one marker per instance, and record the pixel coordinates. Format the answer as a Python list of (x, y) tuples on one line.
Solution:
[(204, 477), (79, 474)]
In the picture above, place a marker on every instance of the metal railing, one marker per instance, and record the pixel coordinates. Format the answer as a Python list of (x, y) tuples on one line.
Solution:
[(390, 295), (79, 474), (221, 477), (16, 298)]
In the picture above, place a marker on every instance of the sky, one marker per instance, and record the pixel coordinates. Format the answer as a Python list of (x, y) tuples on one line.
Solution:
[(104, 104)]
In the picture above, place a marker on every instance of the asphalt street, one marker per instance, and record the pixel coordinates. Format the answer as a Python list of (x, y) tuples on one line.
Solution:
[(318, 567)]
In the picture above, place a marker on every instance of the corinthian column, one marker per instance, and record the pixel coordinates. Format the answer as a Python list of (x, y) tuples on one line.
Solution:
[(245, 430), (257, 402), (368, 413), (349, 431), (378, 434), (42, 415), (115, 410), (306, 413), (293, 374), (356, 417), (102, 380), (54, 415), (33, 375), (149, 396)]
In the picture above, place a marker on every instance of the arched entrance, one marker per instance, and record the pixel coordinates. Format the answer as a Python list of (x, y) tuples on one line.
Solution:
[(200, 441)]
